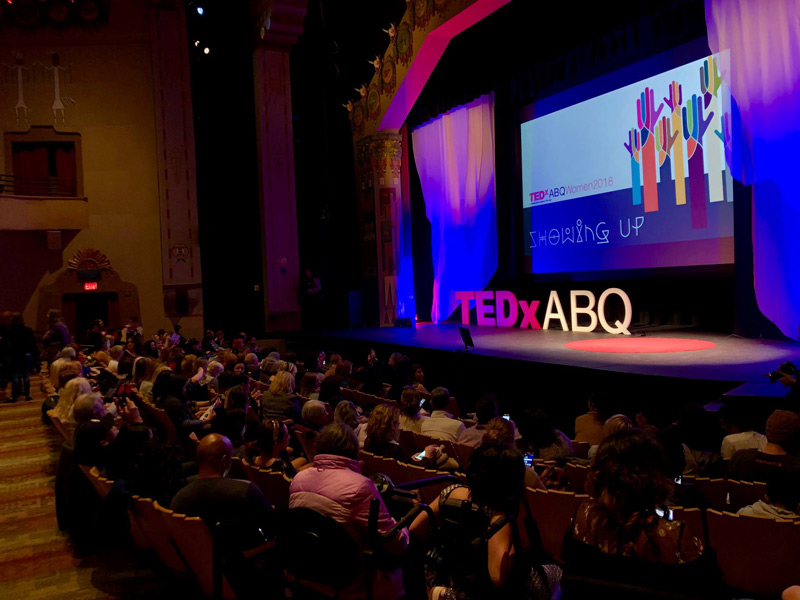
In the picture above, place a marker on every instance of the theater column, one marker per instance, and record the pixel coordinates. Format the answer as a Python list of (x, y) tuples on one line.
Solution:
[(180, 248), (281, 269), (386, 220)]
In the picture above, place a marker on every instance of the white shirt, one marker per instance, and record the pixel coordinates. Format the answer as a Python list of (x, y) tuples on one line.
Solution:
[(742, 441), (442, 426)]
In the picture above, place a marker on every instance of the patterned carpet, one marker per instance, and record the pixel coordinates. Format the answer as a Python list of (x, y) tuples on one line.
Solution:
[(36, 560)]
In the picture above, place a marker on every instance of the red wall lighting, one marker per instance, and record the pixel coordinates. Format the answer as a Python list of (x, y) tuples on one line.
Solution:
[(90, 286)]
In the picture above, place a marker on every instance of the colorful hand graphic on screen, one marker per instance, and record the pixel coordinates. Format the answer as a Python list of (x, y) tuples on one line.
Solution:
[(647, 115), (724, 135), (634, 146), (674, 102), (665, 139), (710, 82), (694, 128)]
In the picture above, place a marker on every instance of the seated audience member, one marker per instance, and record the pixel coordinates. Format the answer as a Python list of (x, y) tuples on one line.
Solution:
[(485, 411), (410, 404), (739, 434), (698, 430), (344, 370), (179, 412), (336, 488), (73, 388), (589, 426), (500, 432), (94, 430), (418, 379), (143, 369), (441, 424), (398, 375), (272, 439), (157, 392), (383, 431), (618, 535), (540, 438), (231, 419), (115, 353), (783, 428), (346, 413), (791, 593), (211, 378), (330, 368), (782, 500), (315, 415), (251, 366), (67, 355), (213, 496), (279, 401), (268, 365), (309, 386), (330, 390), (614, 424), (495, 484)]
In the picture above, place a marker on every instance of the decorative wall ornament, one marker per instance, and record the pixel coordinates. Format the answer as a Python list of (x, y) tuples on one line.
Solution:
[(404, 44), (20, 75), (179, 253), (440, 6), (373, 101), (89, 259), (388, 77), (358, 117), (57, 77), (421, 14), (377, 64)]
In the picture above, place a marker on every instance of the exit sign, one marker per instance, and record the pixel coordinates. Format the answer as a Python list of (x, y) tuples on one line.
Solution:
[(90, 286)]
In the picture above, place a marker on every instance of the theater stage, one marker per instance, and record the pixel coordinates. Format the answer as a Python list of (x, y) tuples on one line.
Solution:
[(731, 359)]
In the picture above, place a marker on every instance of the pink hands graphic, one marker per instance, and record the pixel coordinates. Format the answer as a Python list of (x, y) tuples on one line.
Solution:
[(647, 116)]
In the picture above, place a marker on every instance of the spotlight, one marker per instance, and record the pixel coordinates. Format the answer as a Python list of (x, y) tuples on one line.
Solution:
[(196, 43), (206, 50), (200, 10)]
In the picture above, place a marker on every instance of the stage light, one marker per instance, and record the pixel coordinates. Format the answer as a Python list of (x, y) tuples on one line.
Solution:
[(206, 50), (196, 43), (200, 10)]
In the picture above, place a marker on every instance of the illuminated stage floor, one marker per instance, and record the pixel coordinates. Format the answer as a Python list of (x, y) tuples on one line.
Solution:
[(732, 359)]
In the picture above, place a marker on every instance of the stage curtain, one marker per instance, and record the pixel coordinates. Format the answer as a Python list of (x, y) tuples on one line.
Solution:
[(454, 155), (764, 76)]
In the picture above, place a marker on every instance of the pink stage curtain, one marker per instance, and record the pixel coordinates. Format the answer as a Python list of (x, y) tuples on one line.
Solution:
[(454, 155), (764, 76)]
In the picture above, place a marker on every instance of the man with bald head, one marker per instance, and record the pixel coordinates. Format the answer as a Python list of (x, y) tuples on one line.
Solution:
[(214, 497)]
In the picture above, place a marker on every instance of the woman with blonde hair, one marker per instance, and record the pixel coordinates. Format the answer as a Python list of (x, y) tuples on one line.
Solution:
[(279, 401), (383, 431), (410, 401), (66, 400)]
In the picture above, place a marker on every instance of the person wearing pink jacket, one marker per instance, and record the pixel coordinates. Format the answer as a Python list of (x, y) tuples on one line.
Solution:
[(335, 487)]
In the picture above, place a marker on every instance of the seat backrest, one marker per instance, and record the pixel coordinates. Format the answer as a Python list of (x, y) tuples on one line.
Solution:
[(307, 438), (193, 540), (160, 416), (348, 394), (744, 493), (152, 524), (237, 470), (460, 452), (552, 511), (408, 442), (316, 548), (425, 440), (580, 449), (715, 491), (757, 555), (577, 475), (101, 485), (693, 517), (274, 485)]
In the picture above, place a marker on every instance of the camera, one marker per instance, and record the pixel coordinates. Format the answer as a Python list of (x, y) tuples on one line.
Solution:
[(786, 368)]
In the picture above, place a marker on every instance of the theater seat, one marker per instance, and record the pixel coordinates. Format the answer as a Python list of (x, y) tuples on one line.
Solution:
[(99, 483), (715, 491), (152, 524), (274, 485), (757, 555), (193, 540), (744, 493), (577, 475), (552, 511)]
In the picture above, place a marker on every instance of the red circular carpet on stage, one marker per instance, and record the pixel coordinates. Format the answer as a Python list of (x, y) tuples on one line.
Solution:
[(640, 345)]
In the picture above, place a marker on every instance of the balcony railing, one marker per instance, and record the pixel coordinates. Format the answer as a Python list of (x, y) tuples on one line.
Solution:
[(15, 185)]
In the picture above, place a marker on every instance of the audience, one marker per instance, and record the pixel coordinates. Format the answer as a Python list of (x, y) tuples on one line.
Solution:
[(589, 426), (94, 430), (619, 534), (410, 405), (735, 422), (485, 411), (441, 424), (316, 415), (540, 438), (782, 500), (279, 401), (346, 413), (783, 428), (273, 443), (614, 424), (336, 488), (213, 496), (77, 386)]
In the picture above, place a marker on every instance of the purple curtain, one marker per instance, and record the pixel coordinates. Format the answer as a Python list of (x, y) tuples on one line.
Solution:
[(763, 73), (454, 155)]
